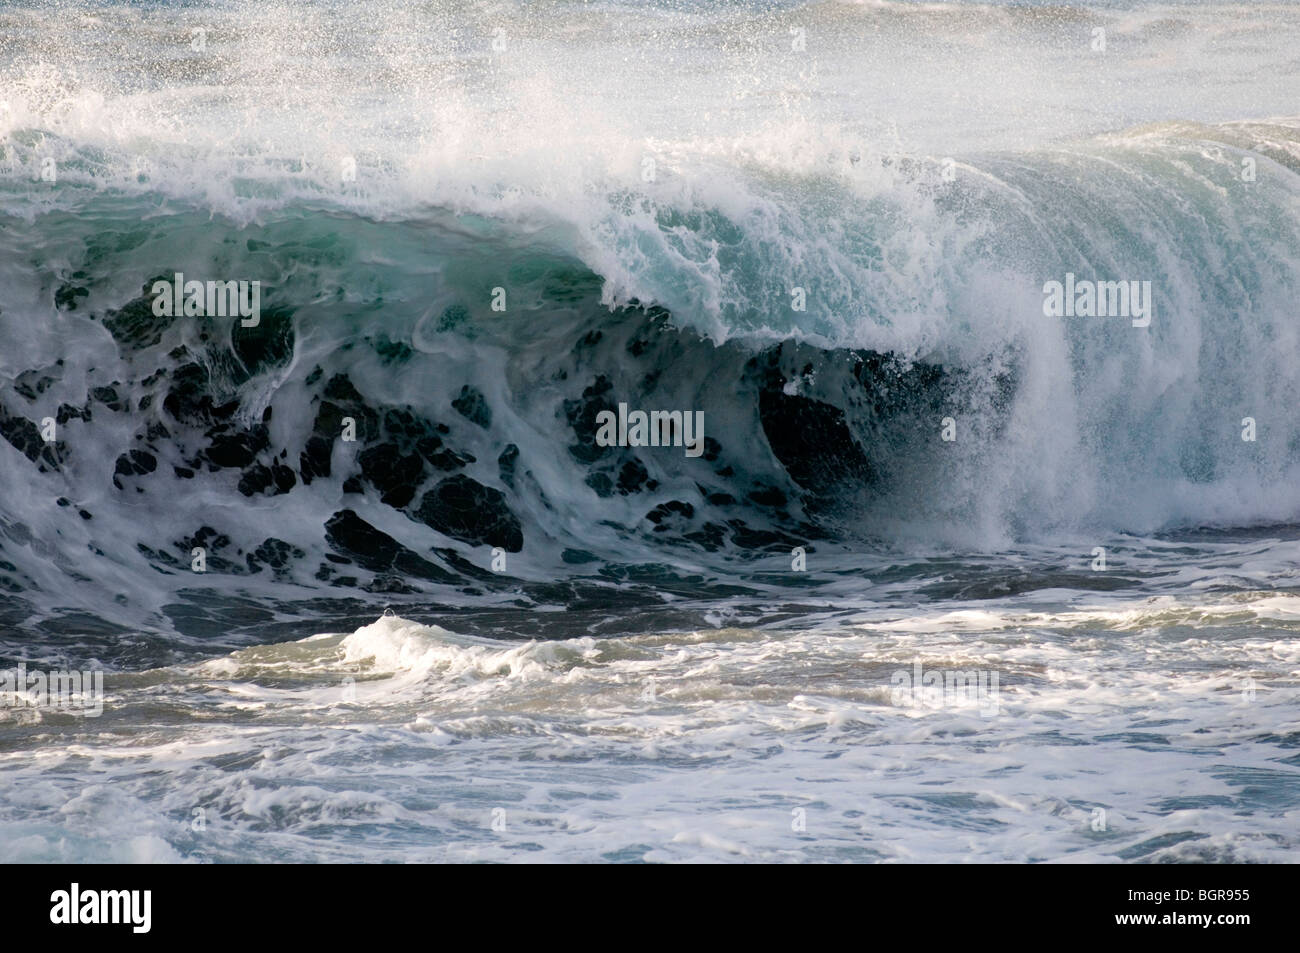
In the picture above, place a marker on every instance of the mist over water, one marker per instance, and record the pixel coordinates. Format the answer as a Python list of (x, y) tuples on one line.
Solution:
[(825, 226)]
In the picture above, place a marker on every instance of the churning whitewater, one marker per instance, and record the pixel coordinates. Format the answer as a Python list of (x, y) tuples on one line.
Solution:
[(649, 431)]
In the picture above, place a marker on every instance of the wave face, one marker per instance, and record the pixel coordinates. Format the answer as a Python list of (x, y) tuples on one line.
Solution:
[(472, 276)]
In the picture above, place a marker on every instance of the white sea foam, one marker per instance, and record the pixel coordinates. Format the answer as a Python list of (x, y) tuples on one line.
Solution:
[(699, 746)]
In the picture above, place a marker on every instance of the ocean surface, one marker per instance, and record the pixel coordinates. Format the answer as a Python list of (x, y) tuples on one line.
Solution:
[(948, 578)]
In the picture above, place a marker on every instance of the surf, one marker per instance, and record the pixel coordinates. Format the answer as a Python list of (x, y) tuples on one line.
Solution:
[(454, 293)]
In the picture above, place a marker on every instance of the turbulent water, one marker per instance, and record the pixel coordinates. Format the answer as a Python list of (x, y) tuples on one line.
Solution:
[(364, 584)]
